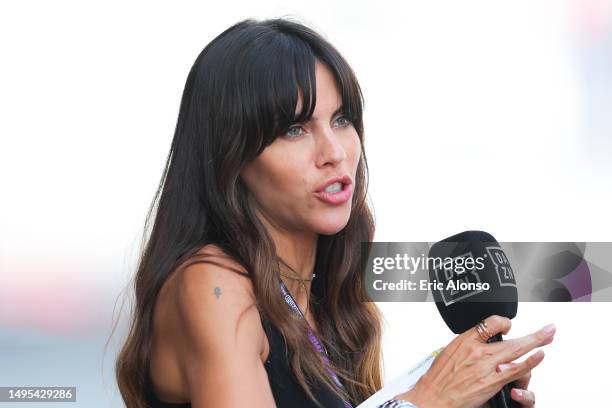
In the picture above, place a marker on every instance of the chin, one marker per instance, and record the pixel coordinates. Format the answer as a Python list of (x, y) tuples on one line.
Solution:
[(332, 225)]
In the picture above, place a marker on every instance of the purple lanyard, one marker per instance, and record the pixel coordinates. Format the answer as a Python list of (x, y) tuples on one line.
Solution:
[(291, 302)]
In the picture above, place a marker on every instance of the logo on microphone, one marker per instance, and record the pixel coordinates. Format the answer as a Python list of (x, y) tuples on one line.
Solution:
[(502, 266)]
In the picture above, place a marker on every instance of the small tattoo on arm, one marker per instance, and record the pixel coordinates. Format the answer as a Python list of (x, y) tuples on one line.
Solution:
[(217, 292)]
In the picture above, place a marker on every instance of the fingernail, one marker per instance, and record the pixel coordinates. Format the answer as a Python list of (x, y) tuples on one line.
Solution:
[(519, 393), (549, 329), (503, 367)]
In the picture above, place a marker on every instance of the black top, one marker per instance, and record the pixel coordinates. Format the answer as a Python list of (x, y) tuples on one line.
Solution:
[(285, 387)]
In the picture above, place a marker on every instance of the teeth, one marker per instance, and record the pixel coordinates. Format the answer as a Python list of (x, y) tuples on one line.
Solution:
[(334, 188)]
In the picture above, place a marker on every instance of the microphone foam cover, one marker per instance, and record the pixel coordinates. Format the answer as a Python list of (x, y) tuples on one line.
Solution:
[(460, 308)]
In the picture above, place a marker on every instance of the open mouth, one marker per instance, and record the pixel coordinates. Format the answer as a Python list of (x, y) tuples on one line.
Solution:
[(335, 193)]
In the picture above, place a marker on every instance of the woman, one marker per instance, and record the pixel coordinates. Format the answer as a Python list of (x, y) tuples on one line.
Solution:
[(265, 184)]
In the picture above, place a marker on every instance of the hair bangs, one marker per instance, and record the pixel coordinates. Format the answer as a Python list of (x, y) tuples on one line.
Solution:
[(279, 89), (284, 95)]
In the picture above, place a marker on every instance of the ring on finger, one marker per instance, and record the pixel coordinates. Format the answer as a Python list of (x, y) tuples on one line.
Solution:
[(483, 332)]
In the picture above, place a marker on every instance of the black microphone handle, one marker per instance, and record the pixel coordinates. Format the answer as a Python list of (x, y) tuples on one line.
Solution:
[(502, 399)]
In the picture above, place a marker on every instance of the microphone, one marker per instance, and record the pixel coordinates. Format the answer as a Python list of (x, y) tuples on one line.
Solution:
[(472, 281)]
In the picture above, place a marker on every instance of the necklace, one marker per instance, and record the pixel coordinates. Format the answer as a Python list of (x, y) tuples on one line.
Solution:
[(298, 278)]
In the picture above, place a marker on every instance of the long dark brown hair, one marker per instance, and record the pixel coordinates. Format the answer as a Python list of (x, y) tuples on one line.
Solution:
[(241, 93)]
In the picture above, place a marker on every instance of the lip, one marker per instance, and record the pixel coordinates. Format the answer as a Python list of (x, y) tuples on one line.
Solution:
[(338, 197), (344, 179)]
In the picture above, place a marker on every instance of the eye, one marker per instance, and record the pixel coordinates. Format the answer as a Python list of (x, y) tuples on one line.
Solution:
[(294, 132), (343, 121)]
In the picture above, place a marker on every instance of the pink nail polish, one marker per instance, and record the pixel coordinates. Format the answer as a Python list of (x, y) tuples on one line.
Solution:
[(549, 329)]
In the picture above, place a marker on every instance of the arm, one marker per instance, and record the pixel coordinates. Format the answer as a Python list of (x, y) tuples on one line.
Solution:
[(221, 339)]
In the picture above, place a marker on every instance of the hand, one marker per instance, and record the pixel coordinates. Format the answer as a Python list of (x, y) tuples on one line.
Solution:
[(465, 375), (520, 393)]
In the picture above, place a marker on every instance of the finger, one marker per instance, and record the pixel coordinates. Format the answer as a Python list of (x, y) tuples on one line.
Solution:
[(518, 370), (522, 382), (495, 324), (510, 350), (525, 397)]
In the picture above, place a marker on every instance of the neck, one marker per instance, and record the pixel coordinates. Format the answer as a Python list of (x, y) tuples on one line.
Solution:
[(298, 250)]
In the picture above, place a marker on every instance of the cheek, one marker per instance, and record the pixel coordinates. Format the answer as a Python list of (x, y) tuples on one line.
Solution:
[(353, 149), (279, 179)]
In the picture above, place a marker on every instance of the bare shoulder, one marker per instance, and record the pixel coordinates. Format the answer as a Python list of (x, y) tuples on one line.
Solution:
[(213, 334), (214, 274), (218, 338), (215, 298)]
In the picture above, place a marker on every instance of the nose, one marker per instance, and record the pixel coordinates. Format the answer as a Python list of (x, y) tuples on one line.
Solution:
[(330, 150)]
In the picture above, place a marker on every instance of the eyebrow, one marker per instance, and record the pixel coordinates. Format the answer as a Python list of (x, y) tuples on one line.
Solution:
[(337, 111)]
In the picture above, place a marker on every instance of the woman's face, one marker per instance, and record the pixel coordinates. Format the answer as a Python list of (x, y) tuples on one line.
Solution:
[(286, 178)]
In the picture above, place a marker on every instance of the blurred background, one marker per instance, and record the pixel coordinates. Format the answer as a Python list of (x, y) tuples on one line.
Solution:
[(479, 115)]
